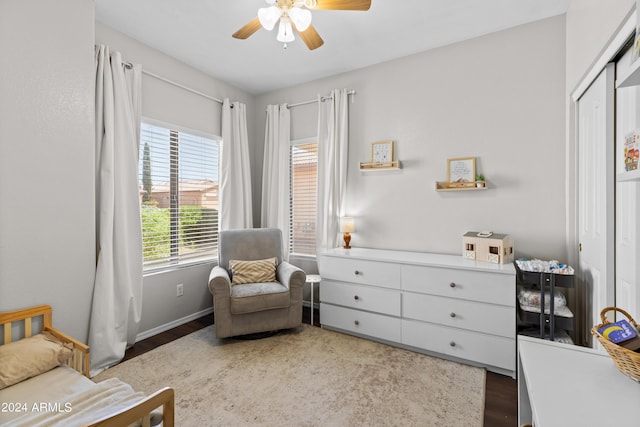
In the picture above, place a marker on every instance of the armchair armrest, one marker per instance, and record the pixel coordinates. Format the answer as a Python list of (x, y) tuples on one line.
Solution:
[(290, 275), (219, 282)]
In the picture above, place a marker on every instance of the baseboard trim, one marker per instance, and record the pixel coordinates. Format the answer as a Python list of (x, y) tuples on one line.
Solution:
[(163, 328)]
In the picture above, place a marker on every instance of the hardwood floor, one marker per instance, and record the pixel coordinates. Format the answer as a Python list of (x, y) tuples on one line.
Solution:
[(501, 401), (501, 392)]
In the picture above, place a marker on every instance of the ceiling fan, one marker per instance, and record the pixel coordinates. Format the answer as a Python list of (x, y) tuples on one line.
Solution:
[(296, 14)]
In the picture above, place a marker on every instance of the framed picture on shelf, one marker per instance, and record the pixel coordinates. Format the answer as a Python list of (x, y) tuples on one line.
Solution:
[(382, 152), (461, 171)]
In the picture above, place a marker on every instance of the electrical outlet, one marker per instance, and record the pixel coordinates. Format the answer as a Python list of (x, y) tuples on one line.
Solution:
[(179, 290)]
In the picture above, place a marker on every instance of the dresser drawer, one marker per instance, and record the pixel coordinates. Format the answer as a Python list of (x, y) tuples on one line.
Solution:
[(481, 286), (361, 297), (473, 346), (473, 316), (375, 325), (360, 271)]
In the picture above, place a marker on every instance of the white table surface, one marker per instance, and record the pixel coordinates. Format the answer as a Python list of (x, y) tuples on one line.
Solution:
[(567, 385)]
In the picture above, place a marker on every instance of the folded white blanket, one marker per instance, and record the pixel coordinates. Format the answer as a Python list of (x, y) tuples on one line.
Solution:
[(83, 407)]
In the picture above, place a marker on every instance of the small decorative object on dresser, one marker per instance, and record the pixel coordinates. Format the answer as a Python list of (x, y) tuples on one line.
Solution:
[(488, 247), (347, 225)]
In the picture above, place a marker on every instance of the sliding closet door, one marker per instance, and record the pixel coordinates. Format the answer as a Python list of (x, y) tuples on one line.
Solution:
[(627, 200), (596, 194)]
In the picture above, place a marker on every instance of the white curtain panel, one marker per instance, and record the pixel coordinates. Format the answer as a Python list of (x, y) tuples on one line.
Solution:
[(333, 144), (117, 295), (276, 172), (235, 170)]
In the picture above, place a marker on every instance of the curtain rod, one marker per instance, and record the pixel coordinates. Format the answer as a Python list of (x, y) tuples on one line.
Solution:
[(323, 98), (171, 82)]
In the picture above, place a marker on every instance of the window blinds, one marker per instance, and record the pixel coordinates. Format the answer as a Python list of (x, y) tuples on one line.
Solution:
[(304, 189), (178, 195)]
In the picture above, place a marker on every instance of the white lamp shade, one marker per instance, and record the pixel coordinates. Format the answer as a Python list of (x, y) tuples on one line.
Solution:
[(347, 225), (268, 16), (285, 31), (300, 17)]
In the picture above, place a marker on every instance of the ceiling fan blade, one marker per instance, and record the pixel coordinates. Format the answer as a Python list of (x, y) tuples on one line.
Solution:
[(342, 5), (311, 38), (248, 30)]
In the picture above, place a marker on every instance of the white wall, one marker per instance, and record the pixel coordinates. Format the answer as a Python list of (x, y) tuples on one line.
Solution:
[(47, 244), (590, 26), (166, 102), (500, 98)]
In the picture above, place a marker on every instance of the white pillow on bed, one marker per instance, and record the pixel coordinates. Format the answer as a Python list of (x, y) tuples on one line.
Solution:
[(29, 357)]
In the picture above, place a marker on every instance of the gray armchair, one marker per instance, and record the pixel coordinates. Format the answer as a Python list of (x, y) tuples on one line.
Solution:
[(242, 309)]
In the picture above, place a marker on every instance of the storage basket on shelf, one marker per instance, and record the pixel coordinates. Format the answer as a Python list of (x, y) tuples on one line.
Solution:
[(627, 361)]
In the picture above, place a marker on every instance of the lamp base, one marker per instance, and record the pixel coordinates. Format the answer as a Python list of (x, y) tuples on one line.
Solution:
[(347, 240)]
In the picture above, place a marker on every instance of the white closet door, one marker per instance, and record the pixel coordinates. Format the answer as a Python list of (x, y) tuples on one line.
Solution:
[(627, 200), (596, 194)]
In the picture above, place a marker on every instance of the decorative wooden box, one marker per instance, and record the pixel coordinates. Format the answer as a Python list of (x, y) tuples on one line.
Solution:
[(487, 247)]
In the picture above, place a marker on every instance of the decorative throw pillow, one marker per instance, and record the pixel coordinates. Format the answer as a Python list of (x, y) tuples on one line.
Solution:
[(262, 270), (31, 356)]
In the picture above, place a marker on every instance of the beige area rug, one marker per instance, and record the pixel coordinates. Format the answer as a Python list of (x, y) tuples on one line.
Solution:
[(306, 377)]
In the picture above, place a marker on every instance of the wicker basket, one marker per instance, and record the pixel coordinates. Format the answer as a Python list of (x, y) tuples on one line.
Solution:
[(626, 360)]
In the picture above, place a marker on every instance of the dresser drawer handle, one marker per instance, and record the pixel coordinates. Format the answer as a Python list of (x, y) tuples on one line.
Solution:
[(356, 297), (452, 284), (357, 273), (357, 322), (452, 314), (452, 343)]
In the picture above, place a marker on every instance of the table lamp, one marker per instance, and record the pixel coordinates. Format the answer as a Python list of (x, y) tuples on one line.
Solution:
[(347, 226)]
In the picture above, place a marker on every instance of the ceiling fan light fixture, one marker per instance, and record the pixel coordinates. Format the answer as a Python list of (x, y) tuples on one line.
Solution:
[(268, 16), (300, 17), (285, 30)]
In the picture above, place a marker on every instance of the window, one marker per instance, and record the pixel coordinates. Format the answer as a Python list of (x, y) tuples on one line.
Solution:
[(303, 199), (178, 195)]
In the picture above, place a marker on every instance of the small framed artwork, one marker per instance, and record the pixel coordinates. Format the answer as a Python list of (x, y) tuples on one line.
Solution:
[(461, 171), (382, 152)]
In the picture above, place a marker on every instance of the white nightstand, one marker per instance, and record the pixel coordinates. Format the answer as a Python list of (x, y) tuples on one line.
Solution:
[(312, 279)]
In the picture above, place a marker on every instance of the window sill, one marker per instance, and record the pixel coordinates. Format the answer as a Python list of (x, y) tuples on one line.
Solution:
[(302, 256), (174, 267)]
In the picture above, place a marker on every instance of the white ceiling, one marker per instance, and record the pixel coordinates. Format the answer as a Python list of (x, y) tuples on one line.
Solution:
[(198, 33)]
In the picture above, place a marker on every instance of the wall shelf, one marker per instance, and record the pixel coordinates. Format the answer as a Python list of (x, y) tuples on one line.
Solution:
[(631, 77), (453, 186), (367, 166)]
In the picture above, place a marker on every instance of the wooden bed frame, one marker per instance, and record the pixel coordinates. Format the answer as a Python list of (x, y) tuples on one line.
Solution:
[(80, 361)]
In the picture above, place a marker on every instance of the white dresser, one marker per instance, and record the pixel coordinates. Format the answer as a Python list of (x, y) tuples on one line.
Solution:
[(437, 304)]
